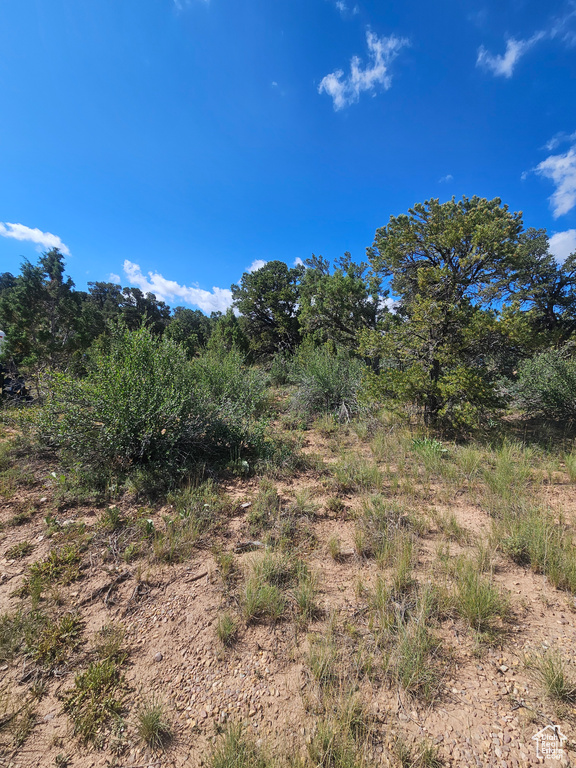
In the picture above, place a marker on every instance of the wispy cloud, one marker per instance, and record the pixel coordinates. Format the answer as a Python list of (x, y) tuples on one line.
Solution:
[(381, 53), (298, 262), (563, 244), (219, 299), (446, 179), (502, 65), (42, 239), (558, 139), (561, 170), (346, 9), (181, 4), (114, 278), (256, 265)]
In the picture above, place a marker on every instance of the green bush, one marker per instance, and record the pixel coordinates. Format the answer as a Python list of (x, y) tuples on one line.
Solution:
[(547, 385), (143, 407), (327, 384)]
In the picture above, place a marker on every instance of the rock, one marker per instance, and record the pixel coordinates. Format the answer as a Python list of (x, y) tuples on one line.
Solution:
[(158, 656)]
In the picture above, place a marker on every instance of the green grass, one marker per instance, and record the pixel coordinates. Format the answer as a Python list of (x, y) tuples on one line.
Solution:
[(262, 601), (20, 550), (534, 537), (58, 638), (550, 671), (227, 629), (323, 659), (235, 749), (108, 643), (95, 701), (62, 566), (152, 725), (477, 599), (353, 473), (18, 632)]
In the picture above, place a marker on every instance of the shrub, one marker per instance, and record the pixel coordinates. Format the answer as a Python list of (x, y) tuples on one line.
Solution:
[(144, 407), (327, 384), (547, 385)]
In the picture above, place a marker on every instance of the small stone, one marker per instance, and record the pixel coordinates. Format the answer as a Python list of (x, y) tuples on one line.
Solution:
[(503, 668), (158, 656)]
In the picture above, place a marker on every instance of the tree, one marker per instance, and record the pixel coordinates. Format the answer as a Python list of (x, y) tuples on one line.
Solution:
[(448, 264), (546, 289), (268, 299), (41, 310), (335, 307), (190, 328)]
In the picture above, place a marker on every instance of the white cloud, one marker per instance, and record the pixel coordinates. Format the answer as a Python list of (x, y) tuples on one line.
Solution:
[(558, 139), (181, 4), (346, 90), (561, 170), (502, 65), (446, 179), (344, 8), (43, 239), (563, 244), (219, 299), (114, 278), (256, 265), (298, 262)]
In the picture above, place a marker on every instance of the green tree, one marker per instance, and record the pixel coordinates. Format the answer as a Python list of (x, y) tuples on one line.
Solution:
[(448, 264), (190, 328), (336, 306), (40, 311), (268, 300)]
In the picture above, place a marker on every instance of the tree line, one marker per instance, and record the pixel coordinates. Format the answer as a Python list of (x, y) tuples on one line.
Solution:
[(452, 301)]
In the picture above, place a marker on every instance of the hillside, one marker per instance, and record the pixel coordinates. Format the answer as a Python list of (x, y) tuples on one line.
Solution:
[(381, 600)]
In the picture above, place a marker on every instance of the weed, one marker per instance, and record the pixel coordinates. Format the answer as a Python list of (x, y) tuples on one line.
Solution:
[(376, 527), (23, 724), (333, 747), (477, 599), (108, 643), (322, 660), (20, 550), (152, 725), (352, 473), (304, 595), (550, 671), (570, 461), (262, 601), (58, 638), (534, 537), (413, 660), (235, 750), (94, 700), (62, 566), (327, 424), (17, 632), (335, 505), (450, 527), (335, 549), (265, 507), (304, 504), (227, 629), (226, 563), (111, 519)]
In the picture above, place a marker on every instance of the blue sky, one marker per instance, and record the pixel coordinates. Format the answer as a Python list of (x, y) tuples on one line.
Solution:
[(176, 144)]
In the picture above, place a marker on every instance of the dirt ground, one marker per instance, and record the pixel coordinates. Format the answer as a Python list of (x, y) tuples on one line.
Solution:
[(487, 712)]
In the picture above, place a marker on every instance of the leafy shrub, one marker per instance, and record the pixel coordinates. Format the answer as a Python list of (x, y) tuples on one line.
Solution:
[(145, 408), (547, 385), (327, 384)]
